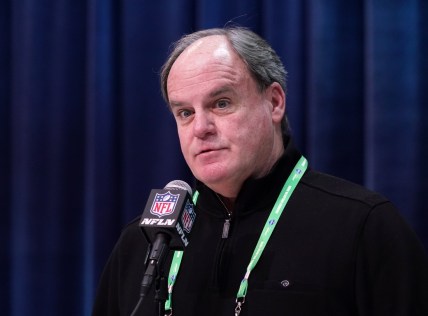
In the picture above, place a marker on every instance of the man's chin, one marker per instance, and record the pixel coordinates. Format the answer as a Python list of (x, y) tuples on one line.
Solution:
[(212, 179), (220, 183)]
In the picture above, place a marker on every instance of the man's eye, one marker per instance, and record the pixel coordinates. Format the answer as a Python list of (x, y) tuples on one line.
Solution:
[(222, 104), (184, 113)]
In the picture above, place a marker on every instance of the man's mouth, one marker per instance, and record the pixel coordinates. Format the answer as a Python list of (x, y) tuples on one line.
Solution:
[(207, 151)]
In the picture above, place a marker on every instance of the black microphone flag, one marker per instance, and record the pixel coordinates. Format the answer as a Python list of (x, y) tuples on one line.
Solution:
[(169, 211)]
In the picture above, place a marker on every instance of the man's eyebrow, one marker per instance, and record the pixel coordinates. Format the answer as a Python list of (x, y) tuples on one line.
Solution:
[(220, 91), (176, 104), (213, 94)]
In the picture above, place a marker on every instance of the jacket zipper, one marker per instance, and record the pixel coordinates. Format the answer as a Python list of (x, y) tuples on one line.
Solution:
[(221, 246), (226, 226)]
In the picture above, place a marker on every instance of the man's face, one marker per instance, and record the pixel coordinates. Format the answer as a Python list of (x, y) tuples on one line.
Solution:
[(226, 126)]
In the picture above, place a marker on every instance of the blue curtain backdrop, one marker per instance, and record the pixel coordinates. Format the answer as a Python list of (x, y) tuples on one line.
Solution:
[(85, 135)]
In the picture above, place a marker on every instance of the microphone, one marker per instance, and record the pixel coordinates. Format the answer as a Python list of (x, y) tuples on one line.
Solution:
[(166, 222), (169, 211)]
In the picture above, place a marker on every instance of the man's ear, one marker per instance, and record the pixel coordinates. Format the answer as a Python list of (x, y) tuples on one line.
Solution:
[(276, 96)]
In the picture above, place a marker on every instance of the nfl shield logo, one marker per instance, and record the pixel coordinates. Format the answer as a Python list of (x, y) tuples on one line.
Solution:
[(164, 204), (188, 217)]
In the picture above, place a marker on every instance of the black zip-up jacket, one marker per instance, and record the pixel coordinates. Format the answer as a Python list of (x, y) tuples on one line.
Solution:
[(338, 249)]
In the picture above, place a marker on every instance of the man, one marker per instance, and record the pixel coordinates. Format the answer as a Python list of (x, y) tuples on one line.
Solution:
[(336, 248)]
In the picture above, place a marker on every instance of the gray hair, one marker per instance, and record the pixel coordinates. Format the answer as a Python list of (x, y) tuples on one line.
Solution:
[(262, 61)]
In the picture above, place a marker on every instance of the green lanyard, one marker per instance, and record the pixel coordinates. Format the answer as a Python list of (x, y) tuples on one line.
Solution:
[(275, 214), (173, 271)]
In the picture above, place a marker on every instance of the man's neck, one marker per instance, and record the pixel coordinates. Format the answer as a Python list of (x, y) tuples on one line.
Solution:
[(228, 203)]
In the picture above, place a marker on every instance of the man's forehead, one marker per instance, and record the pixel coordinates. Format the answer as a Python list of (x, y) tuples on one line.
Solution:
[(216, 46), (209, 64), (210, 56)]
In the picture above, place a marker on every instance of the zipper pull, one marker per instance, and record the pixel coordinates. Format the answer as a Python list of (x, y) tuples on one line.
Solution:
[(226, 227)]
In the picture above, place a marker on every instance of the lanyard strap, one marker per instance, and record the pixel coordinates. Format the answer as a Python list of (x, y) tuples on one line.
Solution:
[(173, 271), (282, 200)]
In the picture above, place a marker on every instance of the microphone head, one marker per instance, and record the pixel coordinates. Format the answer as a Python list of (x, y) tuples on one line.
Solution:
[(169, 210), (179, 185)]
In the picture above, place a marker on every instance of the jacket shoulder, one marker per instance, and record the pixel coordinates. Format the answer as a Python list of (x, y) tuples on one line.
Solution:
[(332, 186)]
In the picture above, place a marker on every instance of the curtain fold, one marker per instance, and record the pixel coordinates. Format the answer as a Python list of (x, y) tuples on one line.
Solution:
[(85, 134), (393, 102)]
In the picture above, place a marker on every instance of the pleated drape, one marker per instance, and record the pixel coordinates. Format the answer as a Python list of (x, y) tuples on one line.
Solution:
[(85, 135)]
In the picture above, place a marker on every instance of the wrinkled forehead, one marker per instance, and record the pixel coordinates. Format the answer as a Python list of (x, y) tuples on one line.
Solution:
[(208, 58), (214, 49), (217, 46)]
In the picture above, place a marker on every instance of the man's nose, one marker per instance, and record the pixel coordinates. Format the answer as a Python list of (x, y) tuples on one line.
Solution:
[(203, 124)]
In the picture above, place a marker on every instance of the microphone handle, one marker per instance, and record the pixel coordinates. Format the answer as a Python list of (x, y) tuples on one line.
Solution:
[(156, 259)]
